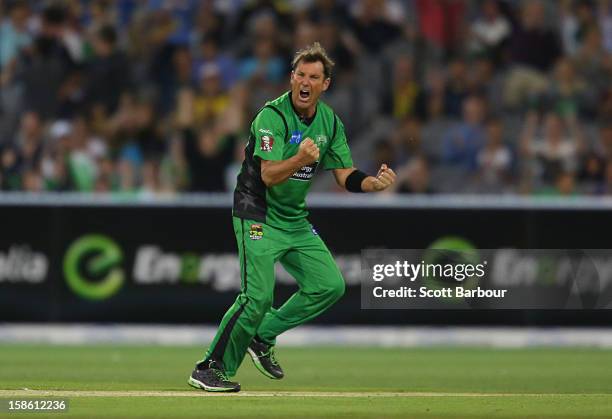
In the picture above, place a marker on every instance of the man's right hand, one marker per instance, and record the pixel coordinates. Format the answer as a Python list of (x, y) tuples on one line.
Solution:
[(275, 172), (308, 152)]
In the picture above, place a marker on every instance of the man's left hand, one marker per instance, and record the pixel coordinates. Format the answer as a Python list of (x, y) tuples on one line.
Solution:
[(384, 178)]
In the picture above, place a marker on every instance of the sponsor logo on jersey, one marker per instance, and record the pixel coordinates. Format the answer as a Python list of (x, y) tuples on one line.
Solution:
[(305, 173), (296, 137), (320, 140), (256, 232), (267, 142), (265, 131)]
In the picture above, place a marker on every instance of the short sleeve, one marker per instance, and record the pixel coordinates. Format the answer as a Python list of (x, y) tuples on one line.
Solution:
[(268, 130), (338, 156)]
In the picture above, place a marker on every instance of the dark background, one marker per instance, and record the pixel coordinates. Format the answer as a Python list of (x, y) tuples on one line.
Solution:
[(52, 229)]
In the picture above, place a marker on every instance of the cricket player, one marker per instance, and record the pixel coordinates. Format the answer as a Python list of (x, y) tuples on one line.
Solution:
[(290, 137)]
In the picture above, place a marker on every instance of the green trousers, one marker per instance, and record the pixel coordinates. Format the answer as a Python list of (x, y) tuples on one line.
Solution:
[(304, 255)]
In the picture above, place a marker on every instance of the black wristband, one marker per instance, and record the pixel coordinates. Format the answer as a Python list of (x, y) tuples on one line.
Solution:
[(353, 181)]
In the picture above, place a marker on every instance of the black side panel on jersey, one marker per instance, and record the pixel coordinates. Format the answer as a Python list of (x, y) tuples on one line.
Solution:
[(250, 193)]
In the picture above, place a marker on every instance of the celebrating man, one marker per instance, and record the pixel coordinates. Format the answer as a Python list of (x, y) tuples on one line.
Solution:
[(289, 138)]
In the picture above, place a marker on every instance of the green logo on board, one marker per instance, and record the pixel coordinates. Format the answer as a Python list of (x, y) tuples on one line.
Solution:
[(92, 267)]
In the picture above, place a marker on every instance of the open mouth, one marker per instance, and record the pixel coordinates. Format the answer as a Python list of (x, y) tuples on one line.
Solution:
[(304, 94)]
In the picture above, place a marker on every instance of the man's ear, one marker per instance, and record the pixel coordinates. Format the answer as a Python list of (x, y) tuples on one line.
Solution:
[(291, 75), (326, 83)]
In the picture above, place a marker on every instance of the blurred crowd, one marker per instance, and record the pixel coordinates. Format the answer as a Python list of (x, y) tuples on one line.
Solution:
[(151, 97)]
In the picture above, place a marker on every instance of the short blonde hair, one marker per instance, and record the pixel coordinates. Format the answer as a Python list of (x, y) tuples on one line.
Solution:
[(312, 54)]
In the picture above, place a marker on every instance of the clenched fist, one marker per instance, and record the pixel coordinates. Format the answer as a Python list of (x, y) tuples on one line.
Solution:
[(308, 152), (384, 178)]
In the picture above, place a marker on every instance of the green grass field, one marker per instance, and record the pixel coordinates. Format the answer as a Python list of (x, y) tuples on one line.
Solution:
[(320, 382)]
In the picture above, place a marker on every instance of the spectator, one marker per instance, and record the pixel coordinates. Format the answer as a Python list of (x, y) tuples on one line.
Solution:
[(566, 94), (384, 153), (32, 181), (209, 53), (414, 177), (554, 152), (534, 49), (100, 14), (328, 11), (407, 139), (14, 34), (494, 160), (591, 173), (174, 176), (404, 95), (489, 32), (24, 152), (181, 14), (160, 92), (342, 54), (171, 75), (592, 61), (533, 45), (107, 178), (253, 11), (83, 156), (43, 68), (54, 164), (463, 141), (210, 24), (205, 106), (372, 26), (457, 87), (11, 172), (485, 82), (264, 66), (148, 135), (577, 18), (441, 23), (564, 185), (305, 34), (109, 72), (207, 155), (434, 95), (150, 186)]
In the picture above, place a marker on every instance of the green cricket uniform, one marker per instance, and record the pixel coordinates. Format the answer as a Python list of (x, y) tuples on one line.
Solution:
[(271, 226)]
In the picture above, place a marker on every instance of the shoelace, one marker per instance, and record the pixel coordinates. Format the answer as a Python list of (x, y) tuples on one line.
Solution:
[(272, 356), (220, 375)]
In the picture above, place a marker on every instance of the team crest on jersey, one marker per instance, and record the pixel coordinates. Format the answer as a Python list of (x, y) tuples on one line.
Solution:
[(296, 137), (320, 140), (256, 232), (267, 142)]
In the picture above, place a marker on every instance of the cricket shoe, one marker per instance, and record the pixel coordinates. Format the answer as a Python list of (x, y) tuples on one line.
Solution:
[(264, 359), (210, 376)]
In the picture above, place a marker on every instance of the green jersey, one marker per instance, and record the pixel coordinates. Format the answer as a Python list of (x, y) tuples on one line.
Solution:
[(276, 133)]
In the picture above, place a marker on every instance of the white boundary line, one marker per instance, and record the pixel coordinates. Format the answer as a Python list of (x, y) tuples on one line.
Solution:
[(197, 393), (381, 336), (315, 200)]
